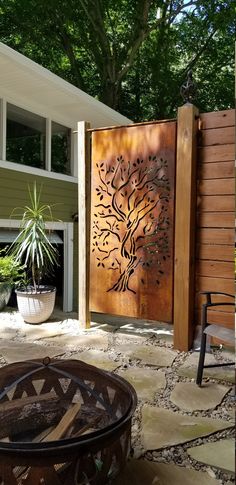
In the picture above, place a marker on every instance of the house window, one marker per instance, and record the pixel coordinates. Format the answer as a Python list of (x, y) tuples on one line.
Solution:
[(26, 135), (60, 149)]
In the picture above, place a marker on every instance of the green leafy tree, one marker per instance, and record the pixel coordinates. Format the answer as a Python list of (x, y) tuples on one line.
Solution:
[(132, 54)]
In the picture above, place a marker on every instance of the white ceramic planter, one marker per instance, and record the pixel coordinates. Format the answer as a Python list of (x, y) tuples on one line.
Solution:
[(36, 307)]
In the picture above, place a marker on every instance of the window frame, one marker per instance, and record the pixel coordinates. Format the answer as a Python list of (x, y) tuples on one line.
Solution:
[(46, 172)]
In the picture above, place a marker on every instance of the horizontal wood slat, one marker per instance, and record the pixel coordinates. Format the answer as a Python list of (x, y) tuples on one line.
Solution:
[(217, 187), (214, 203), (216, 153), (219, 318), (216, 219), (228, 309), (216, 269), (215, 252), (216, 170), (203, 283), (217, 136), (216, 119), (215, 236), (215, 213)]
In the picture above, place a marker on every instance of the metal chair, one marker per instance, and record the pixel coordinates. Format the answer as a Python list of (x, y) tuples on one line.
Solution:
[(221, 332)]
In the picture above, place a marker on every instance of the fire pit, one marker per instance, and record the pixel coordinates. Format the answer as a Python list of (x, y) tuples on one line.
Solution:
[(63, 422)]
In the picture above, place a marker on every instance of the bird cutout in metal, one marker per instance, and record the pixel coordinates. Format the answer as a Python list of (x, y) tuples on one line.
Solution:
[(131, 222)]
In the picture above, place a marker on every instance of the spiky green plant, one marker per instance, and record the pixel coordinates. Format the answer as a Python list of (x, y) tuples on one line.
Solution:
[(32, 245)]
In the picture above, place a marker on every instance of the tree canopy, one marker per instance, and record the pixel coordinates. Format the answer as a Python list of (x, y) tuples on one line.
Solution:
[(131, 54)]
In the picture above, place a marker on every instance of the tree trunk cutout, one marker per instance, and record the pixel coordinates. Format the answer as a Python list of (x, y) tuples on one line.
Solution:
[(131, 224)]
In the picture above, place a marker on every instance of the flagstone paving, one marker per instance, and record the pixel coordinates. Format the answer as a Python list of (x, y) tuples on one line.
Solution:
[(44, 331), (97, 358), (147, 382), (132, 326), (162, 427), (126, 340), (173, 413), (19, 351), (220, 454), (142, 472), (149, 355), (188, 396), (7, 332), (95, 341), (188, 369)]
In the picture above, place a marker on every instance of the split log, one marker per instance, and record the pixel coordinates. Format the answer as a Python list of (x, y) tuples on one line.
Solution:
[(87, 428), (30, 413), (55, 434), (65, 423)]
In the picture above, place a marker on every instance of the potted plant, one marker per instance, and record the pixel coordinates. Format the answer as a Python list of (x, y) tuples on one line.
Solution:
[(11, 274), (33, 248)]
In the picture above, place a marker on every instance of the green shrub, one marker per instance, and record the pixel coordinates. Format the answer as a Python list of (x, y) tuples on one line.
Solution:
[(11, 272)]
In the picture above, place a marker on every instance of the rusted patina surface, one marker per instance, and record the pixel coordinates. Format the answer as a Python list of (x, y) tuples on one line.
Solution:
[(132, 207), (95, 445)]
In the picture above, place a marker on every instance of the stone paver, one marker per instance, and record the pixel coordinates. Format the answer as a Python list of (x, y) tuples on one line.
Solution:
[(97, 358), (150, 355), (189, 369), (147, 382), (161, 427), (19, 351), (128, 326), (132, 339), (7, 332), (162, 331), (90, 340), (142, 472), (228, 354), (40, 332), (219, 454), (190, 397)]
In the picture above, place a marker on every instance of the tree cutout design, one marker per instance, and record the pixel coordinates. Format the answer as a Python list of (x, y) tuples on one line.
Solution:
[(131, 222)]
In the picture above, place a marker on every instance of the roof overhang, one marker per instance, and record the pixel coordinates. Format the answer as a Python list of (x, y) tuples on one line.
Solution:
[(34, 86)]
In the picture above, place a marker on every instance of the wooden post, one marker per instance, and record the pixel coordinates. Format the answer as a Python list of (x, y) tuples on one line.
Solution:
[(3, 128), (84, 172), (185, 221)]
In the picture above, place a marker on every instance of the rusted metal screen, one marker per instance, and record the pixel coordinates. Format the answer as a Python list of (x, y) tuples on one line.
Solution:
[(132, 209)]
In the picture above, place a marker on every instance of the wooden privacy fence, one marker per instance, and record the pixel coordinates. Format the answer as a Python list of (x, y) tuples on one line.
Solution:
[(203, 223), (215, 211)]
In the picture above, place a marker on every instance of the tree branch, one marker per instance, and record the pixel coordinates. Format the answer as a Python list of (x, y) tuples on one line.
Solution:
[(144, 31), (137, 37), (68, 49), (200, 52)]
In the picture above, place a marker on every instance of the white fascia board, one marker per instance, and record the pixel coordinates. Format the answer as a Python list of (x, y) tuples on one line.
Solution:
[(64, 85), (36, 108), (17, 167)]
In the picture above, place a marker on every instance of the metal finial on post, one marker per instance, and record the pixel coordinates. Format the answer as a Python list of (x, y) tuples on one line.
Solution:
[(188, 89)]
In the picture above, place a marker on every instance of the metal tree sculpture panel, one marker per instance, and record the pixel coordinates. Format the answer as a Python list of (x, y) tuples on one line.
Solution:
[(132, 220)]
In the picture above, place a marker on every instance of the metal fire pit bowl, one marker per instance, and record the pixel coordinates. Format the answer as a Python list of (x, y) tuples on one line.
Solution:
[(90, 459)]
